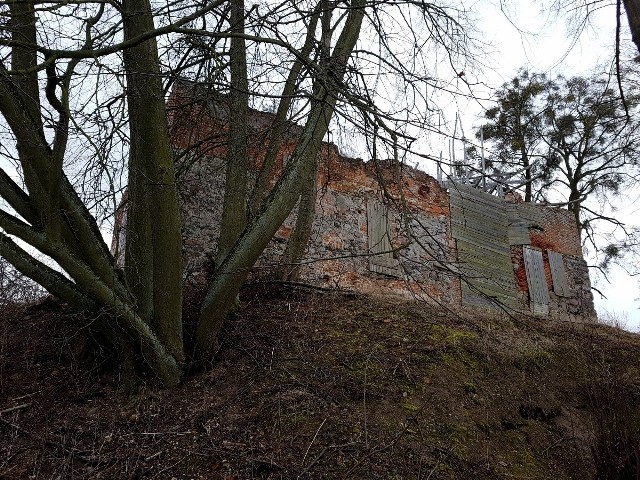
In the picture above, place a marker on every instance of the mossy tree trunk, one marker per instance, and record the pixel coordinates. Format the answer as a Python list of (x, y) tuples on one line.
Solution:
[(56, 222), (140, 311), (301, 234), (234, 213), (154, 270), (299, 239)]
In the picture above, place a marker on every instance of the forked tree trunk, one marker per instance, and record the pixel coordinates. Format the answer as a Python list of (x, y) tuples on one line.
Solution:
[(276, 207)]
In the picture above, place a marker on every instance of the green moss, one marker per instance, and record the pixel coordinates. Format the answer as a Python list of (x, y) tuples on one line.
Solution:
[(445, 471), (445, 335), (524, 465), (411, 407), (470, 387), (533, 359)]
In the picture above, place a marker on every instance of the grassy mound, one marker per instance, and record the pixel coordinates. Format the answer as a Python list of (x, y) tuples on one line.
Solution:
[(326, 385)]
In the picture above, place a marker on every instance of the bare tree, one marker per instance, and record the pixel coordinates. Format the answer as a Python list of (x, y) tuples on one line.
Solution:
[(15, 288), (45, 70)]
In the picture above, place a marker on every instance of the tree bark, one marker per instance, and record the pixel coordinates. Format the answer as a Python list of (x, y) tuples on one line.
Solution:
[(234, 213), (154, 243), (299, 239), (52, 204), (279, 126), (528, 188), (632, 7)]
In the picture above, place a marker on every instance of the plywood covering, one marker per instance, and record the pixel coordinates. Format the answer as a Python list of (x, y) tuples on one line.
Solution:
[(537, 280), (518, 226), (480, 224), (379, 240), (558, 274)]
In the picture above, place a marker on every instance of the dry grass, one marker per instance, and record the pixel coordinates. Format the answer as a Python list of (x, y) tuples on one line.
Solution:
[(315, 385)]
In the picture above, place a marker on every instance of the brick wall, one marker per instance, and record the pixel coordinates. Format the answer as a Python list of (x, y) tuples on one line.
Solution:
[(338, 254), (557, 231)]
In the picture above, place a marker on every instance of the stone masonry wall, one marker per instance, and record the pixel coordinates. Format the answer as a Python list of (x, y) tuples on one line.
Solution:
[(338, 254)]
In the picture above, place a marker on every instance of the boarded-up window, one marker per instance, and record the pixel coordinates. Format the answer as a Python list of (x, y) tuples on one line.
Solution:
[(378, 227), (537, 280), (523, 217), (558, 274)]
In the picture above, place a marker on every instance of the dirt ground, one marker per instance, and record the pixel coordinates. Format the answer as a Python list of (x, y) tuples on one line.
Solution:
[(313, 384)]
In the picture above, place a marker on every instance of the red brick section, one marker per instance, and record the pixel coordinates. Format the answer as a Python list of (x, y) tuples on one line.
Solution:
[(559, 232), (517, 257), (198, 126), (196, 129)]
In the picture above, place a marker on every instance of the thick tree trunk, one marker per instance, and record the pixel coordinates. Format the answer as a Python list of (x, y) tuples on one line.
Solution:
[(154, 240), (52, 204), (38, 171), (528, 188), (293, 254), (233, 271), (632, 7), (575, 208)]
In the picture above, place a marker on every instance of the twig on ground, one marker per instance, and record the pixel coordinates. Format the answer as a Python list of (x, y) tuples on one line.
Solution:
[(313, 440), (13, 409), (321, 454), (84, 456)]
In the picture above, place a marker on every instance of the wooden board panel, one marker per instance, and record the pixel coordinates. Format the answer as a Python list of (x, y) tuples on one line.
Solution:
[(479, 223), (519, 234), (475, 293), (532, 214), (493, 209), (474, 194), (492, 288), (537, 280), (558, 274), (382, 260), (480, 239), (493, 225), (465, 214), (393, 270), (484, 200), (377, 227), (522, 216), (480, 236), (477, 256)]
